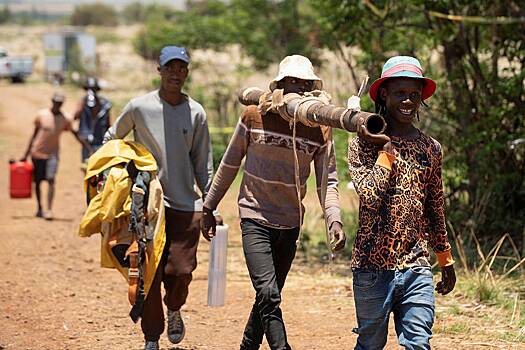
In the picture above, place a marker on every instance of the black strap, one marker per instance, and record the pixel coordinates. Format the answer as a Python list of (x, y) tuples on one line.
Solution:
[(137, 225)]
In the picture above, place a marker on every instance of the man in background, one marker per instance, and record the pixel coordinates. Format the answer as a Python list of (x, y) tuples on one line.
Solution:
[(93, 115), (44, 149)]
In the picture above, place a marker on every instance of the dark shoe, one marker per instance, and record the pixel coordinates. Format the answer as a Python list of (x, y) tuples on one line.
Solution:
[(245, 346), (151, 345), (39, 213), (176, 329)]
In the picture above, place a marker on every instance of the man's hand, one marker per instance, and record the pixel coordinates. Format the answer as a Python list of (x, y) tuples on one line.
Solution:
[(208, 224), (218, 219), (389, 148), (337, 236), (362, 132), (448, 280)]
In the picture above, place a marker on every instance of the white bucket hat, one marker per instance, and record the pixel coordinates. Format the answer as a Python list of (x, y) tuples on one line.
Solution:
[(296, 66)]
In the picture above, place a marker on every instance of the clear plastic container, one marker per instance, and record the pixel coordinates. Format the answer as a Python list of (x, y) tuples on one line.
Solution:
[(217, 267)]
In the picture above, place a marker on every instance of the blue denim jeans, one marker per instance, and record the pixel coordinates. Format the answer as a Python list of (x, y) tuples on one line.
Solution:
[(408, 293)]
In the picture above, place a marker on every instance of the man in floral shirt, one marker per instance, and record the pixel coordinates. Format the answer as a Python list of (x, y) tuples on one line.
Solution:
[(401, 211)]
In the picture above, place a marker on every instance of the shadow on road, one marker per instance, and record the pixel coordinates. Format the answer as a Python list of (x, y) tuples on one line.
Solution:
[(27, 217)]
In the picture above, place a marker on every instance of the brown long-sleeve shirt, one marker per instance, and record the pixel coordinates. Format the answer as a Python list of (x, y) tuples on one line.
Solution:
[(268, 191), (401, 205)]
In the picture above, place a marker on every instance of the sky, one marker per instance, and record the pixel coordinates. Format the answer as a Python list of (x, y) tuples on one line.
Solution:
[(67, 6)]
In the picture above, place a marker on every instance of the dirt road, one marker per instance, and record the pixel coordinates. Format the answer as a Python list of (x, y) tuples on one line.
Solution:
[(54, 295)]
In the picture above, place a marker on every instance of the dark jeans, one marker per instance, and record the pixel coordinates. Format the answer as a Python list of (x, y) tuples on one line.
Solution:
[(178, 261), (269, 254)]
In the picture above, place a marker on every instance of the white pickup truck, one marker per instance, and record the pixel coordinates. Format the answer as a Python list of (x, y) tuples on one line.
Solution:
[(15, 68)]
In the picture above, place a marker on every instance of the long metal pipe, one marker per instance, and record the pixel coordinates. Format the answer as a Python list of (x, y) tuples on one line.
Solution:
[(318, 112)]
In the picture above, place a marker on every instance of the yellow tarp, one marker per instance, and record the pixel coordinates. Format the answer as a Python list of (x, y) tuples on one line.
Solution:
[(109, 210)]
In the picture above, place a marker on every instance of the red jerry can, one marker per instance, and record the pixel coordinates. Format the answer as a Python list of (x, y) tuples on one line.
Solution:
[(20, 174)]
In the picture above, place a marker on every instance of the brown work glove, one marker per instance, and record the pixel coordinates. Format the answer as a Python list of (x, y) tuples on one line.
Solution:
[(448, 280), (208, 224), (362, 132), (337, 236)]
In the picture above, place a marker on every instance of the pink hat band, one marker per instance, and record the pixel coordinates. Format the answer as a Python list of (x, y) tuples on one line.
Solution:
[(401, 68)]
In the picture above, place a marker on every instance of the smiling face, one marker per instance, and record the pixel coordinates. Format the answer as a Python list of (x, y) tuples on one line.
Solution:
[(402, 98), (173, 75)]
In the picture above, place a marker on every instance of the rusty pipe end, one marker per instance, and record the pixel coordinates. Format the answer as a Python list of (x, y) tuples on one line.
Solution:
[(250, 96), (375, 124)]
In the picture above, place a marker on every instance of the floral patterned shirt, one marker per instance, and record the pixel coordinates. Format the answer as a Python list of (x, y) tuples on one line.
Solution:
[(401, 205)]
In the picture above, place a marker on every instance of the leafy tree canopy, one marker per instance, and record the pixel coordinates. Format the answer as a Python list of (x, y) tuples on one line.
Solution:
[(475, 50), (266, 30)]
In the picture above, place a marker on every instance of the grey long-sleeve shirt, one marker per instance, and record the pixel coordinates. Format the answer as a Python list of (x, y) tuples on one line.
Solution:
[(178, 138)]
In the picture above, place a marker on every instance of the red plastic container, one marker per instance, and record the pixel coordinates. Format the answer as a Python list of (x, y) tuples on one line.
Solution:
[(20, 175)]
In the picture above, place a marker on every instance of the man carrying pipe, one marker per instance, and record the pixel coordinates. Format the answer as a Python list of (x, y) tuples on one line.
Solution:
[(401, 212), (276, 169)]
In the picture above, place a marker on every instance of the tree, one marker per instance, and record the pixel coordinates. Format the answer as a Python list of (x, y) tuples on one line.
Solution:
[(134, 13), (477, 55), (266, 30), (5, 15), (94, 14)]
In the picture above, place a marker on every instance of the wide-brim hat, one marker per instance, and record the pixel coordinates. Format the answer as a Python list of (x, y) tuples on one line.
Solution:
[(296, 66), (403, 67), (91, 83)]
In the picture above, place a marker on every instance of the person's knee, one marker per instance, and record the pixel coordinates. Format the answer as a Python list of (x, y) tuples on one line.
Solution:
[(180, 268), (415, 329), (268, 298), (184, 278), (372, 333), (419, 341)]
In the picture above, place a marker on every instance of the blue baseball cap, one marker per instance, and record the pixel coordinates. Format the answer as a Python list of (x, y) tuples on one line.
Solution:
[(169, 53)]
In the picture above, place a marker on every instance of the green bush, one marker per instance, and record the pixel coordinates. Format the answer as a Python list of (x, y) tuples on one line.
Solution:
[(341, 154), (313, 241), (133, 13), (94, 14), (219, 143), (5, 15)]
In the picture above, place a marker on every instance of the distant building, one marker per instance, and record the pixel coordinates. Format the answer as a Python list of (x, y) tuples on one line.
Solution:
[(69, 50)]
